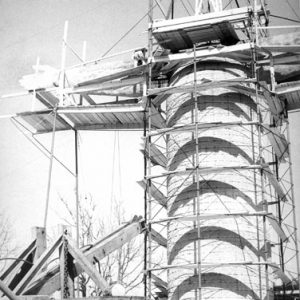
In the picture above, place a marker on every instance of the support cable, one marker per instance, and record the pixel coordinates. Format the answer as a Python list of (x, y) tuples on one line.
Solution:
[(148, 13), (40, 146)]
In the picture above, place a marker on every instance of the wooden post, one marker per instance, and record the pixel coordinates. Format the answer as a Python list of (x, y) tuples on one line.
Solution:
[(66, 278), (39, 234)]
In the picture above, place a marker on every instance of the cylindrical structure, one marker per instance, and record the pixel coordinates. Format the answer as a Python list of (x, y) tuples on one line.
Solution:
[(227, 244)]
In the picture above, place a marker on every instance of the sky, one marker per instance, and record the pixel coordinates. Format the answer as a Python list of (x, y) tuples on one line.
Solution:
[(34, 28)]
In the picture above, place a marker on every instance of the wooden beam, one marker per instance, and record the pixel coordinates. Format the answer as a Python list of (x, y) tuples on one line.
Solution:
[(232, 15), (36, 267), (88, 99), (277, 227), (160, 284), (115, 84), (7, 291), (158, 238), (281, 48), (39, 234), (16, 265), (155, 193), (129, 72), (156, 156), (274, 182), (212, 51), (87, 266), (98, 109), (286, 88), (49, 282)]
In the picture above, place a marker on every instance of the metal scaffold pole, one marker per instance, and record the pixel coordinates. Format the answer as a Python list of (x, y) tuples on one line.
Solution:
[(196, 137), (148, 213)]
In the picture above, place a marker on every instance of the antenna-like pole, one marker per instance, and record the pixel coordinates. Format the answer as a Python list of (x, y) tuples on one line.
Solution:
[(63, 63)]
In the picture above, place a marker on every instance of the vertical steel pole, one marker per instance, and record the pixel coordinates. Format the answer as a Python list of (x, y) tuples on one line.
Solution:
[(197, 179), (77, 186), (50, 169), (148, 144), (63, 64), (293, 205)]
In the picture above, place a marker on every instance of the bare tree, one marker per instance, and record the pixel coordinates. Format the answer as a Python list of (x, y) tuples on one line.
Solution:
[(7, 245), (122, 266)]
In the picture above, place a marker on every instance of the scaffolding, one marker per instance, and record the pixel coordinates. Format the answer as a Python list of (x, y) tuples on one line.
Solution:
[(271, 123)]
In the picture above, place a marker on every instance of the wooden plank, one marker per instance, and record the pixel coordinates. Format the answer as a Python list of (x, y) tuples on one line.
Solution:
[(160, 284), (270, 175), (276, 226), (129, 72), (212, 51), (104, 86), (274, 103), (7, 291), (156, 118), (36, 267), (278, 273), (101, 109), (156, 156), (234, 15), (158, 238), (283, 59), (89, 99), (155, 193), (281, 48), (288, 87), (39, 234), (278, 142), (15, 266), (87, 266), (107, 127)]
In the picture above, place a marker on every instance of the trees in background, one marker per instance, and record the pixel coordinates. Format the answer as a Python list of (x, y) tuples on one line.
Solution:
[(7, 245), (124, 266)]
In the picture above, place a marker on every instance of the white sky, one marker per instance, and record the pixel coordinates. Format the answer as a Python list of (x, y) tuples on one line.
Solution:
[(31, 28)]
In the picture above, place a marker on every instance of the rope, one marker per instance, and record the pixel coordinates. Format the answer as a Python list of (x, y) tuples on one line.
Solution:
[(128, 31), (284, 18), (292, 8), (42, 149)]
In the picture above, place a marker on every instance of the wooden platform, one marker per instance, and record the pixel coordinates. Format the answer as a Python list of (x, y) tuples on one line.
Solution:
[(182, 33), (118, 116)]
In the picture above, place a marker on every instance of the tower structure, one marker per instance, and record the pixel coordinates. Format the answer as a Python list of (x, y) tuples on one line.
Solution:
[(223, 201)]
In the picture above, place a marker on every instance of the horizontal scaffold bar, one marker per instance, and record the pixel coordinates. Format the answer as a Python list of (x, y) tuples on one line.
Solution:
[(207, 84), (201, 126), (193, 218), (211, 265), (207, 170)]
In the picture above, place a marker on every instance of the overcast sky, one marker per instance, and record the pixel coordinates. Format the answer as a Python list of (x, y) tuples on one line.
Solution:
[(31, 28)]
